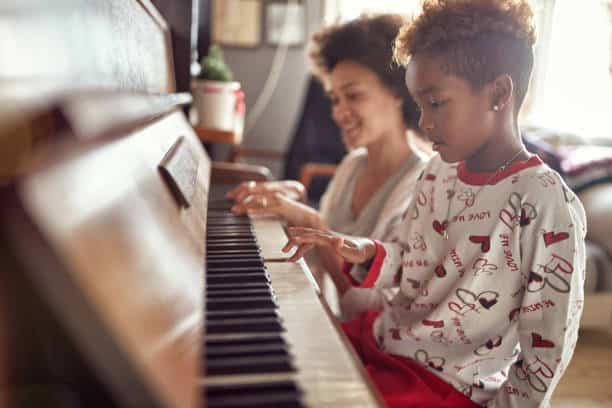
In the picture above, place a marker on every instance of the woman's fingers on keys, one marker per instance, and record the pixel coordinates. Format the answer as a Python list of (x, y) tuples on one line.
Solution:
[(242, 187)]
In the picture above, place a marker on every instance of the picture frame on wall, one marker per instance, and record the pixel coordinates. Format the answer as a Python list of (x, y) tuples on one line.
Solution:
[(237, 23), (285, 23)]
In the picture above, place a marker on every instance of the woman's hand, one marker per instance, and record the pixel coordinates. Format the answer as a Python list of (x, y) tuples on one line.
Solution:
[(289, 188), (277, 204), (352, 249)]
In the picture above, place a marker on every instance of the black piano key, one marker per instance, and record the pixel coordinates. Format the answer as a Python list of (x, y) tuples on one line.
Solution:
[(210, 286), (244, 325), (231, 314), (227, 293), (227, 222), (233, 233), (248, 340), (228, 240), (238, 278), (231, 246), (234, 262), (232, 270), (243, 303), (279, 394), (235, 255), (251, 364), (240, 350)]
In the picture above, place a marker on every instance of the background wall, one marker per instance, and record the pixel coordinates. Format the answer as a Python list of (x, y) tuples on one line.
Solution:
[(251, 67)]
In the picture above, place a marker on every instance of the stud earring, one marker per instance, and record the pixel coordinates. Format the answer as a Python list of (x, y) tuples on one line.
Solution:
[(495, 108)]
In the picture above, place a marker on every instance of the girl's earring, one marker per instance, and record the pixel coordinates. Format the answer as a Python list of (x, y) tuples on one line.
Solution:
[(495, 108)]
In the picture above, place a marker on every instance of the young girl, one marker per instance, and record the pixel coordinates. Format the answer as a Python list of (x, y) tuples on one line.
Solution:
[(490, 256)]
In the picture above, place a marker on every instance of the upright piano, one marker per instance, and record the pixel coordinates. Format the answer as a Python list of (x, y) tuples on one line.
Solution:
[(124, 278)]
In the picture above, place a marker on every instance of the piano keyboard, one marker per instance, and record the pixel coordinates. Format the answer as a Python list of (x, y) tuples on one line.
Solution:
[(258, 353), (243, 327)]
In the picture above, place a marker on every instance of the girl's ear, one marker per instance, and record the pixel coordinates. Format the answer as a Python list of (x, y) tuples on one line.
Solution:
[(501, 92)]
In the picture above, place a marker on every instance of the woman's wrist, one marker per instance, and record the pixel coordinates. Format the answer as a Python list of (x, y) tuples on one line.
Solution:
[(297, 188)]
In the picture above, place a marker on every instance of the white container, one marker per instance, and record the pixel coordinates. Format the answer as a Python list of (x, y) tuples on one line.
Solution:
[(219, 105)]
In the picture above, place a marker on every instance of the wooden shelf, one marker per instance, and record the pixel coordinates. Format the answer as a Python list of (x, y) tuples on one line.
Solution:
[(218, 136)]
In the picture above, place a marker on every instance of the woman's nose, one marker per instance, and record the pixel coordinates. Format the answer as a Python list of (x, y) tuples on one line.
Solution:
[(341, 113)]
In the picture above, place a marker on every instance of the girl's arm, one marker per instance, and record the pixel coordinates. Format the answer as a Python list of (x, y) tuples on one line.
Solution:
[(553, 265), (382, 260)]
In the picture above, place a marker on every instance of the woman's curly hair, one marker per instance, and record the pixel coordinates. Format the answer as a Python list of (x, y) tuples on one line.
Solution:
[(368, 41), (477, 40)]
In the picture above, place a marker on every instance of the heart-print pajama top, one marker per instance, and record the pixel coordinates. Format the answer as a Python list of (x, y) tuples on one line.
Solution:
[(493, 309)]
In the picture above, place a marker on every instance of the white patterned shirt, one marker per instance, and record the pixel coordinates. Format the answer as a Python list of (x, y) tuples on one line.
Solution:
[(494, 309)]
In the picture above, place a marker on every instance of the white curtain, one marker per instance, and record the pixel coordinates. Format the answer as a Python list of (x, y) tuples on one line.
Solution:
[(342, 10), (573, 88)]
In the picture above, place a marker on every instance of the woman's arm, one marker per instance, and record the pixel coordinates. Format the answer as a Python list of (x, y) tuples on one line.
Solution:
[(289, 188)]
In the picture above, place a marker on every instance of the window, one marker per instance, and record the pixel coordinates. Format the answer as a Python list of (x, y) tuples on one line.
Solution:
[(349, 9), (572, 89)]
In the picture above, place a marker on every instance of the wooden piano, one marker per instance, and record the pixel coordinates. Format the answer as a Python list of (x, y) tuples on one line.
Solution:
[(124, 279)]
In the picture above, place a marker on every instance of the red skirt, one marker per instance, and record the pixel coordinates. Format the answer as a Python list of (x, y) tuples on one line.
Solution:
[(403, 382)]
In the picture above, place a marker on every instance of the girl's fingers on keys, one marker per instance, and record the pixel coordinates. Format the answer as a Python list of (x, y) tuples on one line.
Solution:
[(302, 249)]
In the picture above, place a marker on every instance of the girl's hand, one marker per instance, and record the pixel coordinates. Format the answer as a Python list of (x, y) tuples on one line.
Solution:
[(289, 188), (352, 249)]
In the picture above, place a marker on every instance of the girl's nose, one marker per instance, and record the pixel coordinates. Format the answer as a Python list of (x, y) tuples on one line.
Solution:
[(425, 123)]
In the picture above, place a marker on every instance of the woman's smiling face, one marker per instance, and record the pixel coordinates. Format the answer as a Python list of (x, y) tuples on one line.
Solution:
[(454, 116), (362, 106)]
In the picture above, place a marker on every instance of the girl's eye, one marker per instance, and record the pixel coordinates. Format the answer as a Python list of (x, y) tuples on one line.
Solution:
[(435, 104)]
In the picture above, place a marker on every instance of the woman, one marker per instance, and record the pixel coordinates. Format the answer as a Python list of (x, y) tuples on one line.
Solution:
[(379, 123)]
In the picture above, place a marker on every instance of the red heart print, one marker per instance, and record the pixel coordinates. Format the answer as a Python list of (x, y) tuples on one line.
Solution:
[(538, 341), (414, 283), (492, 343), (460, 310), (397, 277), (440, 227), (395, 334), (514, 314), (440, 271), (436, 365), (430, 177), (550, 237), (483, 240), (487, 303), (525, 220), (434, 323), (534, 277)]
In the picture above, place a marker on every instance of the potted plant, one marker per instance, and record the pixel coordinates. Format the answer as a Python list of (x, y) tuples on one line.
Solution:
[(218, 99)]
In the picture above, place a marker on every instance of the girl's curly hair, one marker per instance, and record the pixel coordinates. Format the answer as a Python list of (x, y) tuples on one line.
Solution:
[(477, 40), (368, 41)]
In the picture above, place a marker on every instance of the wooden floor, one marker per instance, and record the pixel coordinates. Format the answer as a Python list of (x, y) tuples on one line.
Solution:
[(587, 383)]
